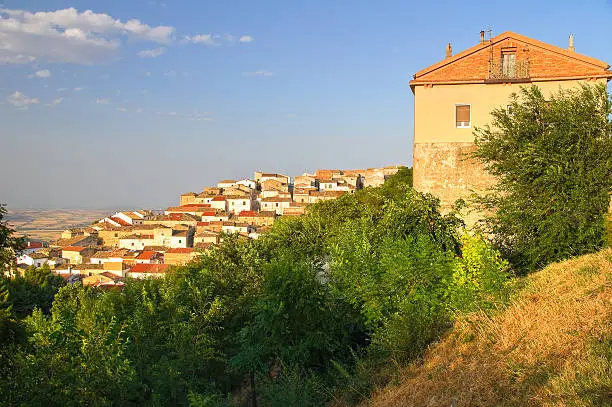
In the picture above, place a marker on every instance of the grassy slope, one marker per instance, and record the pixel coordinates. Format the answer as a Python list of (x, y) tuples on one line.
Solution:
[(551, 347)]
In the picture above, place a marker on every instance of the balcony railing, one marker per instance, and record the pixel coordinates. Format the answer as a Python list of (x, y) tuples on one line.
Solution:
[(517, 71)]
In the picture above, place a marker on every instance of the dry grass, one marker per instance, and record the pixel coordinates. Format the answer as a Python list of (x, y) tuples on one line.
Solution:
[(551, 347)]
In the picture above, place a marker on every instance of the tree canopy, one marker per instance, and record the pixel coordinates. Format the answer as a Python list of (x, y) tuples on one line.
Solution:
[(553, 163)]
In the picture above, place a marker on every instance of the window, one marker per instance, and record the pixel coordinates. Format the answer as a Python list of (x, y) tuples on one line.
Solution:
[(462, 115), (508, 61), (277, 204), (244, 202), (180, 241)]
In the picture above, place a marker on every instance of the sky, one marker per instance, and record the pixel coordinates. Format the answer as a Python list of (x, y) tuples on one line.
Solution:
[(115, 103)]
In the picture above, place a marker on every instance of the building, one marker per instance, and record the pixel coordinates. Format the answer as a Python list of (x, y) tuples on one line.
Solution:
[(149, 257), (457, 94), (143, 270), (237, 204), (75, 254), (275, 204), (33, 259), (179, 256), (228, 183)]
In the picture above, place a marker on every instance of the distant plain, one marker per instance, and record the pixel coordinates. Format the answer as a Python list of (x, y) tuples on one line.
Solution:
[(48, 224)]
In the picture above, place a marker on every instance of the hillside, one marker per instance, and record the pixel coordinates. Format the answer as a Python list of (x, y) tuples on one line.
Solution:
[(551, 347)]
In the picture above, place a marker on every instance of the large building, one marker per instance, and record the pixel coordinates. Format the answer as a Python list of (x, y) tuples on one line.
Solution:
[(457, 94)]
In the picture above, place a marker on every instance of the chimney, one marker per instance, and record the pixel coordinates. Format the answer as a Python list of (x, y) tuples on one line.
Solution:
[(482, 37), (449, 51), (571, 43)]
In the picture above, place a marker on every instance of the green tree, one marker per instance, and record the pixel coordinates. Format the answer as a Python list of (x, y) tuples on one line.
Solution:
[(553, 162), (9, 244)]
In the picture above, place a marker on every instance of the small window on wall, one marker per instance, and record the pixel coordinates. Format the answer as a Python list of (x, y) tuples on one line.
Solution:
[(462, 115)]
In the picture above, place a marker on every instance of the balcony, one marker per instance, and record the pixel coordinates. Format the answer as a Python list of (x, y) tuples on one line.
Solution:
[(511, 71)]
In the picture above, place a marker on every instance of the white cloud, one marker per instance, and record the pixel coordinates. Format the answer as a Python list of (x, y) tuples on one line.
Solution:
[(152, 53), (216, 39), (139, 110), (292, 116), (61, 89), (147, 73), (122, 109), (43, 73), (206, 39), (104, 101), (196, 115), (21, 101), (69, 35), (78, 89), (258, 73), (170, 74), (55, 102)]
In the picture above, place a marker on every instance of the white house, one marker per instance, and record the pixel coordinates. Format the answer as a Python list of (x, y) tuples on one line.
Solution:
[(247, 183), (33, 259), (237, 204)]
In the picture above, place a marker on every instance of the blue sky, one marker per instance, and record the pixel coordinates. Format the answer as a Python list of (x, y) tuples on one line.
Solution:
[(134, 102)]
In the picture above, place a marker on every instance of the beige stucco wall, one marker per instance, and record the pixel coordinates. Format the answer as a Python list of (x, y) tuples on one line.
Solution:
[(441, 151), (434, 107)]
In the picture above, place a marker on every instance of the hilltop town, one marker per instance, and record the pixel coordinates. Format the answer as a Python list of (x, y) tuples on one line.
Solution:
[(146, 243)]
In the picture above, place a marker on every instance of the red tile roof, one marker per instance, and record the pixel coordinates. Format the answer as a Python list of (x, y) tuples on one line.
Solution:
[(34, 245), (149, 268), (248, 213), (211, 213), (119, 221), (202, 223), (73, 249), (184, 250), (195, 206), (219, 198), (146, 255)]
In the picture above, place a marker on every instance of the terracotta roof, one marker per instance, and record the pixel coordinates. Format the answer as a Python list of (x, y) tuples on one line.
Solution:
[(189, 208), (149, 268), (112, 276), (275, 199), (189, 194), (248, 213), (159, 249), (218, 198), (146, 255), (137, 237), (184, 250), (206, 233), (38, 256), (227, 181), (119, 221), (502, 37), (202, 223), (179, 233), (73, 249), (101, 255), (203, 246)]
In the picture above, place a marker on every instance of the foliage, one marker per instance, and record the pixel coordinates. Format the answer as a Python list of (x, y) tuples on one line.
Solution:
[(553, 161), (9, 245), (372, 275)]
